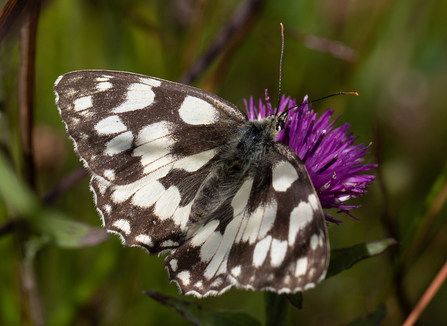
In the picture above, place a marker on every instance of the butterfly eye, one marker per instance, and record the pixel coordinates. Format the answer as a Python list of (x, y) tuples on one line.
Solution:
[(280, 125)]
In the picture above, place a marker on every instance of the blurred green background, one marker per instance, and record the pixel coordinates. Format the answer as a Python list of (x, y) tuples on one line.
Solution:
[(393, 52)]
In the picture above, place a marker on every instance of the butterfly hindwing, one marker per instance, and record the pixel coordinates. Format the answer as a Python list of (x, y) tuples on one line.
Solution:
[(142, 139), (282, 242), (271, 235)]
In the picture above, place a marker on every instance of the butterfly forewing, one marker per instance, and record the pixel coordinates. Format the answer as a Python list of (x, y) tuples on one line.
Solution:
[(176, 168), (148, 144)]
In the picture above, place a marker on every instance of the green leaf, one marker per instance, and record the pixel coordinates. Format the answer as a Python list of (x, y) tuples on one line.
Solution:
[(373, 319), (342, 259), (52, 225), (67, 233), (204, 317), (296, 299), (14, 192)]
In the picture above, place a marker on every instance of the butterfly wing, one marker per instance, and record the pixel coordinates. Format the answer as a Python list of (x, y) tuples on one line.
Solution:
[(269, 234), (148, 144), (282, 242)]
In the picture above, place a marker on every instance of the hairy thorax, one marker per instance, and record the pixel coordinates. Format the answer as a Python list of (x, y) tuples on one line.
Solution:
[(239, 160)]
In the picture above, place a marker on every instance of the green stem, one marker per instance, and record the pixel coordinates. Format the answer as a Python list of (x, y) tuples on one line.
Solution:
[(275, 309)]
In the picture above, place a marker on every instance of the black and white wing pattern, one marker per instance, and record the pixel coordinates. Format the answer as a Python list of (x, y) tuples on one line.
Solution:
[(177, 168)]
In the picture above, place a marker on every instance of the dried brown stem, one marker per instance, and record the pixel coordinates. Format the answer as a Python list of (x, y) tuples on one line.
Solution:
[(64, 185), (427, 297), (26, 83), (242, 17), (9, 15)]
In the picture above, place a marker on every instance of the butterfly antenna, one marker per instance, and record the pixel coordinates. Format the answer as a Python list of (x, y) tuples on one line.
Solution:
[(322, 98), (335, 94), (280, 67)]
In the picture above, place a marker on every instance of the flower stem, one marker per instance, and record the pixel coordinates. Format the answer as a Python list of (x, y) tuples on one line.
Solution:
[(275, 309)]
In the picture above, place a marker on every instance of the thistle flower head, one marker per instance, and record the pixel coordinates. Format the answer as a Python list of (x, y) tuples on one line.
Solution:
[(329, 154)]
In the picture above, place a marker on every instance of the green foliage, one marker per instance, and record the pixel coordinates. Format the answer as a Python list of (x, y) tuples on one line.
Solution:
[(391, 52), (342, 259), (373, 319), (204, 317), (51, 225)]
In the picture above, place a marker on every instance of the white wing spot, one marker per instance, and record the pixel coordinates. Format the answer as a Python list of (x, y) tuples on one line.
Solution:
[(101, 183), (138, 97), (109, 174), (209, 248), (75, 121), (154, 131), (83, 103), (184, 277), (242, 228), (110, 125), (253, 223), (196, 111), (199, 285), (194, 162), (124, 192), (269, 218), (261, 251), (277, 252), (145, 239), (301, 267), (284, 174), (309, 286), (168, 203), (204, 233), (174, 264), (314, 241), (169, 243), (236, 271), (58, 80), (322, 277), (219, 262), (123, 225), (154, 146), (321, 240), (181, 216), (107, 208), (240, 200), (155, 154), (150, 81), (217, 282), (147, 195), (104, 78), (299, 218), (119, 144), (157, 164), (314, 202), (103, 86)]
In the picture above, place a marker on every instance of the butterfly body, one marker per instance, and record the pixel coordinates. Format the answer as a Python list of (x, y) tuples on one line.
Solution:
[(177, 169)]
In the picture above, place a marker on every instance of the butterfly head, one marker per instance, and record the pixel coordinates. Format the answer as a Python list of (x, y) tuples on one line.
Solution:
[(279, 120)]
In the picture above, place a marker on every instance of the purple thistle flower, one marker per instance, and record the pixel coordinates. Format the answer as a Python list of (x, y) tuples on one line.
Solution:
[(330, 156)]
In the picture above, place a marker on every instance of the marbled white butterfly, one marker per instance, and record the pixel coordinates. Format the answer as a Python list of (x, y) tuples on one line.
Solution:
[(179, 169)]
